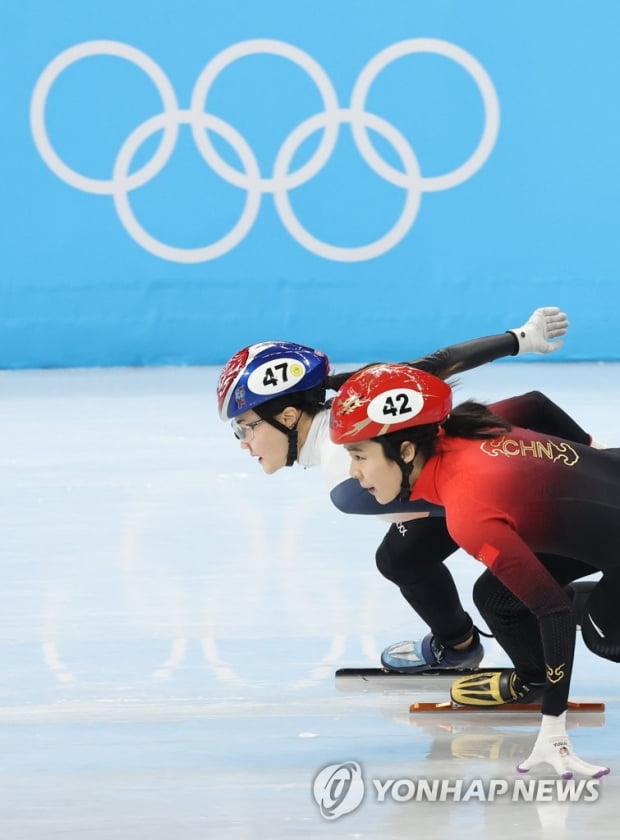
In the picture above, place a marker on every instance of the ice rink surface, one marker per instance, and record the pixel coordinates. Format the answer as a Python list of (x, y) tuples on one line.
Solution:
[(172, 620)]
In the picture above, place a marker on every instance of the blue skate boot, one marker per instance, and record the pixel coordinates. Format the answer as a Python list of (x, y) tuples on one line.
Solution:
[(415, 657)]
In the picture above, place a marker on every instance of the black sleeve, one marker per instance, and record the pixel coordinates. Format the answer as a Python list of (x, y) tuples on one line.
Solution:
[(454, 359), (537, 412), (469, 354)]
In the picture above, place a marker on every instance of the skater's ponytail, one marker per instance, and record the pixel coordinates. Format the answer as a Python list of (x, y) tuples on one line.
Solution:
[(471, 420)]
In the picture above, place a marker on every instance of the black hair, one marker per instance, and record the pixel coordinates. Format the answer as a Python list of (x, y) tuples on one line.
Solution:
[(335, 381), (471, 420), (311, 401)]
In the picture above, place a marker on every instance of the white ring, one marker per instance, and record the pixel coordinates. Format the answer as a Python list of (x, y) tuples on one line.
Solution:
[(318, 76), (362, 252), (39, 99), (489, 97), (126, 214), (250, 179)]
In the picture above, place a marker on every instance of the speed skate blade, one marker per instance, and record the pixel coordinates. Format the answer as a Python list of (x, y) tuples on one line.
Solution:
[(451, 706), (383, 672), (378, 679)]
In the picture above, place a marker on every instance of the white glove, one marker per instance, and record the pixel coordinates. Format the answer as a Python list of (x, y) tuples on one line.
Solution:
[(553, 747), (544, 324)]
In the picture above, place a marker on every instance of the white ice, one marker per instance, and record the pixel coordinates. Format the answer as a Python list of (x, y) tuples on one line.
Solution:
[(172, 619)]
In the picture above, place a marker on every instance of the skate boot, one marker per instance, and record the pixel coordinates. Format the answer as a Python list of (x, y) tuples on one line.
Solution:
[(415, 657), (494, 688)]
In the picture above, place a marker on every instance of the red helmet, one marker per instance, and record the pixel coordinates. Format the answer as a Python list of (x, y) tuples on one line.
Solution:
[(385, 398)]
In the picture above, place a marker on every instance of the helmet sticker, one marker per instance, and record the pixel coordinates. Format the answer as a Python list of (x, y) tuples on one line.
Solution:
[(395, 406), (276, 377), (230, 373), (240, 396)]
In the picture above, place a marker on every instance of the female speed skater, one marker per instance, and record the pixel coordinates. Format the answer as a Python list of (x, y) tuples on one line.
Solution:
[(537, 510), (274, 394)]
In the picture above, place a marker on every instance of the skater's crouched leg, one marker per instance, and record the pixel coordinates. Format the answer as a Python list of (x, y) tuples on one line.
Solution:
[(412, 556), (513, 625)]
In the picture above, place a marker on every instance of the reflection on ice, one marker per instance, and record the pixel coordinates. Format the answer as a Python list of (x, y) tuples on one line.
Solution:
[(172, 621)]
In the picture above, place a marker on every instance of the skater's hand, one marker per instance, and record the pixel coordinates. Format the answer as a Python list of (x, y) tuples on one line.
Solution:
[(553, 747), (544, 324)]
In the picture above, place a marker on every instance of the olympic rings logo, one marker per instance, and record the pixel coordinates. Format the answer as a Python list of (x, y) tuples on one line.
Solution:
[(249, 177)]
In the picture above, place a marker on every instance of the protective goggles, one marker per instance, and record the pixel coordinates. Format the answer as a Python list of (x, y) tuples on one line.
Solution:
[(244, 431)]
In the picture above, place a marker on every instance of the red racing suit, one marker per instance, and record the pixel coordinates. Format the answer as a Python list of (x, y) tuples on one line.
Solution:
[(523, 493)]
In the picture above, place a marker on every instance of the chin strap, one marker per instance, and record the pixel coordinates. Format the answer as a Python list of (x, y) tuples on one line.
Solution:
[(405, 488), (291, 455), (292, 435), (406, 469)]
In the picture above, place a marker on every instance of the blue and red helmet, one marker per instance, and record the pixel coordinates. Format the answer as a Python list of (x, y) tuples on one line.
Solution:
[(261, 372)]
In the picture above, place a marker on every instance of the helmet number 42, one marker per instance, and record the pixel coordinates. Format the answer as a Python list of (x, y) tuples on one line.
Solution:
[(403, 407), (398, 405)]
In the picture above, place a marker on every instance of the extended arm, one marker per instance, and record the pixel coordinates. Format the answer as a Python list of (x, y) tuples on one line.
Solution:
[(530, 411), (534, 336)]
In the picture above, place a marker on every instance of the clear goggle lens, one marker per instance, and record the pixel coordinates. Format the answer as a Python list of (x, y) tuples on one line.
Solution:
[(244, 431)]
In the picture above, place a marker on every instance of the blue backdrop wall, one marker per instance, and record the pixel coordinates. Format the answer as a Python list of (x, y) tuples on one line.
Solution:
[(377, 179)]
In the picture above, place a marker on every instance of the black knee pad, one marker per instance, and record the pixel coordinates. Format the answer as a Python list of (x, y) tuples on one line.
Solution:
[(482, 591), (495, 602), (490, 594), (383, 559), (398, 560)]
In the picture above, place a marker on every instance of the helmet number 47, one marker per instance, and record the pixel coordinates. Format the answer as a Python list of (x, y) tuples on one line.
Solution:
[(270, 378)]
